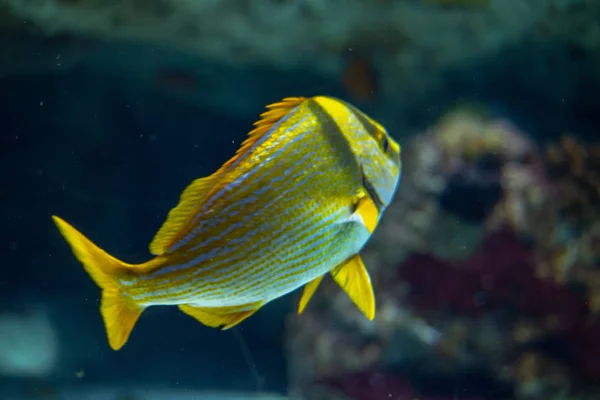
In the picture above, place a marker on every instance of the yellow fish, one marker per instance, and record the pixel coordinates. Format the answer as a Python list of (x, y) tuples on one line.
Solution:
[(299, 199)]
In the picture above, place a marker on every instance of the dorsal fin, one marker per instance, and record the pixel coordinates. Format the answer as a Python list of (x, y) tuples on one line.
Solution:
[(199, 189), (179, 216), (275, 112)]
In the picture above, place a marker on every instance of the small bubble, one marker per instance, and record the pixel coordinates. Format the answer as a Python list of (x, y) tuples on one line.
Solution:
[(12, 246)]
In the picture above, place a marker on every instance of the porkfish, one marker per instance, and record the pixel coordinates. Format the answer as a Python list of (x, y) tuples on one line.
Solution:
[(298, 200)]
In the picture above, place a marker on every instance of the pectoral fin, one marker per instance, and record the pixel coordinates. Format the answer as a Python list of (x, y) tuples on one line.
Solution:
[(309, 290), (366, 211), (226, 317), (354, 279)]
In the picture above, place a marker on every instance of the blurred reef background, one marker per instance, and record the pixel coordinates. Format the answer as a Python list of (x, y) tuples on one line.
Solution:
[(486, 267)]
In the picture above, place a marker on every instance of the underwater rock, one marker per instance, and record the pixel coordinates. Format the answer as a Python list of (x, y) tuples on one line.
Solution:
[(139, 393), (406, 42), (26, 53), (390, 384), (555, 205), (459, 177), (29, 346), (261, 31)]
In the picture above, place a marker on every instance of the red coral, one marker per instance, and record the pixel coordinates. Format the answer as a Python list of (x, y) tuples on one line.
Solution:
[(369, 385), (376, 385), (500, 274), (585, 341)]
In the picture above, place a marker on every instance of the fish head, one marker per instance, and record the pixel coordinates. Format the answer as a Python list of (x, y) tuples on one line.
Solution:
[(377, 153), (380, 160)]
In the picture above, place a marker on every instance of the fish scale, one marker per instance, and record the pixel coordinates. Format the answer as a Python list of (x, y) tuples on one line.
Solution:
[(244, 193), (255, 211), (299, 200), (257, 214)]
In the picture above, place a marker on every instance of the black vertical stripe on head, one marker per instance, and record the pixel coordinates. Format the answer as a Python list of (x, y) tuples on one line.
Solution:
[(328, 124), (371, 129), (372, 192), (326, 121)]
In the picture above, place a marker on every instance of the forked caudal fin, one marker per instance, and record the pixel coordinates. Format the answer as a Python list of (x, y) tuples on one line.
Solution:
[(119, 313)]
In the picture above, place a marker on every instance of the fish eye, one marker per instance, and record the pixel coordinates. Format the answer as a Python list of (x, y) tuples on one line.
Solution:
[(385, 143)]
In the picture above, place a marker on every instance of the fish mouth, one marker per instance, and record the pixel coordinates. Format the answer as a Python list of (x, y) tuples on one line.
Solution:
[(372, 192)]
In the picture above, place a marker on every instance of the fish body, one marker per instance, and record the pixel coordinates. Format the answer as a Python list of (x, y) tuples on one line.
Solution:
[(300, 199)]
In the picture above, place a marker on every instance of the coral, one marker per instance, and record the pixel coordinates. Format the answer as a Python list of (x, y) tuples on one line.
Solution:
[(458, 177), (558, 209), (501, 274), (330, 340), (575, 168), (491, 310), (502, 278), (383, 385)]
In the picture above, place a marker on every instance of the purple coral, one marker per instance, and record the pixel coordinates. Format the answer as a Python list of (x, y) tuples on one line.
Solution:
[(377, 385), (500, 274)]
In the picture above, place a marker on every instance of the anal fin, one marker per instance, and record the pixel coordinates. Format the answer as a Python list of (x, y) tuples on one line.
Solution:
[(354, 279), (226, 317), (309, 290)]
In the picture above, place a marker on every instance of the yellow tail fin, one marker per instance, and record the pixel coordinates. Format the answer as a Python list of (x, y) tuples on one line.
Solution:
[(119, 313)]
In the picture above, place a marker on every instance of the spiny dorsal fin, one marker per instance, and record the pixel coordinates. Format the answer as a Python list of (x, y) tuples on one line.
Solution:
[(200, 189), (179, 216), (275, 112)]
